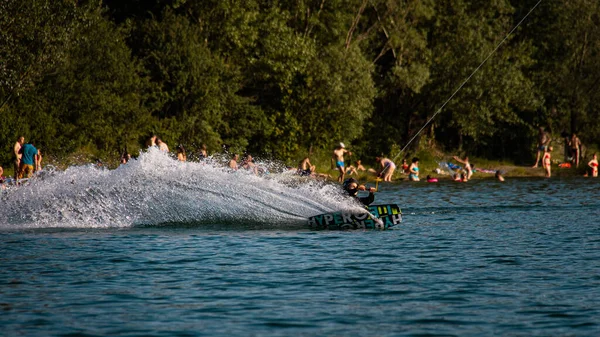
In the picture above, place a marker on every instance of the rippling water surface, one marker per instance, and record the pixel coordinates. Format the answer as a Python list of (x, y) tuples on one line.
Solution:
[(138, 254)]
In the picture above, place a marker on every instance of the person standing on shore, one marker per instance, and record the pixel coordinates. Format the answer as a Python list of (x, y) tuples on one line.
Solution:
[(387, 168), (404, 166), (547, 161), (338, 158), (38, 160), (162, 146), (17, 152), (28, 159), (203, 152), (151, 141), (181, 156), (468, 167), (543, 142), (575, 144)]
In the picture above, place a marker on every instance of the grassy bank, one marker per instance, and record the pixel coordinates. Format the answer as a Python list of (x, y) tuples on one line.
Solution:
[(429, 162)]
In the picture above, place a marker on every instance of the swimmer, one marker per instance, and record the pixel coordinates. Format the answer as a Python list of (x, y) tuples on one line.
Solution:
[(499, 176), (430, 179)]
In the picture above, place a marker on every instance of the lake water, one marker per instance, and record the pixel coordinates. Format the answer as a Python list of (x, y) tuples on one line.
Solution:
[(160, 248)]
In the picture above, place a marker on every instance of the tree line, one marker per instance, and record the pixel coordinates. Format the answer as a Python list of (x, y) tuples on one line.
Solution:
[(280, 78)]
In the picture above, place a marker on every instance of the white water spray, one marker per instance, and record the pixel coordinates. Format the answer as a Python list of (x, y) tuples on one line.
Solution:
[(156, 189)]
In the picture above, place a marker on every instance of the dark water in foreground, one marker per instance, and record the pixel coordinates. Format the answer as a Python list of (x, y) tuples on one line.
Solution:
[(520, 258)]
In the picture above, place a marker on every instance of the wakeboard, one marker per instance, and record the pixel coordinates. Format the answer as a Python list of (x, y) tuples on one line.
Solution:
[(374, 217)]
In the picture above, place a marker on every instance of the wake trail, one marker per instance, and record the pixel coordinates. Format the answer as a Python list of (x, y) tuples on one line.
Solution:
[(155, 189)]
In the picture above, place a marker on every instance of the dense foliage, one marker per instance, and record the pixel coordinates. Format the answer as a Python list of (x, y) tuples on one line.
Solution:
[(281, 78)]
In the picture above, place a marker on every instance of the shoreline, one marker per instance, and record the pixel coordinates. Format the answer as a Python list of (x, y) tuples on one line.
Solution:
[(508, 172), (428, 166)]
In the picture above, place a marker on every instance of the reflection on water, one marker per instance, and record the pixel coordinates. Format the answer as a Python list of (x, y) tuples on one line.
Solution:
[(518, 258)]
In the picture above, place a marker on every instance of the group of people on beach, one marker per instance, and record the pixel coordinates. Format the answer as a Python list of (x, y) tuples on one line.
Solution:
[(155, 141), (27, 161), (233, 164), (387, 167), (573, 153)]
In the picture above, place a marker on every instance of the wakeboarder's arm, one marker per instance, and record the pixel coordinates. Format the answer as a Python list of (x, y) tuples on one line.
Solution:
[(368, 199)]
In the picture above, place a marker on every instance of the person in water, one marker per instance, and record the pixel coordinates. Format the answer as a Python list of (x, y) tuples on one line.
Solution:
[(499, 176), (352, 187), (387, 168), (338, 158), (413, 170), (430, 179), (594, 165)]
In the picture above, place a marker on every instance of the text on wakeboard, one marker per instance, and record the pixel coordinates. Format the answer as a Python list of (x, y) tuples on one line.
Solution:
[(390, 214)]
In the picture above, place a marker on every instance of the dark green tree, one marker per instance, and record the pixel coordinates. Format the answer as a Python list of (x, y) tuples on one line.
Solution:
[(498, 95), (566, 36), (92, 99)]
